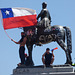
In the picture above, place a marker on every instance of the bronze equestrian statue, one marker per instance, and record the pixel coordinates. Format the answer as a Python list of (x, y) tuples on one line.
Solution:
[(47, 34)]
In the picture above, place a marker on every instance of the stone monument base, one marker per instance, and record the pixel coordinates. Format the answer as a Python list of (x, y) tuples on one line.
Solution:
[(41, 70)]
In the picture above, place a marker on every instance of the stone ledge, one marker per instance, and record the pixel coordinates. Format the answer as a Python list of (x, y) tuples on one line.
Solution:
[(41, 66), (41, 70)]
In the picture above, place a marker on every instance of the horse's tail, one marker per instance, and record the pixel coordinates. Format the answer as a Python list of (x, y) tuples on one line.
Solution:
[(69, 39)]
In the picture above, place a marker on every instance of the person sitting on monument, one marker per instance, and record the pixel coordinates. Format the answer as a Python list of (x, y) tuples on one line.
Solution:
[(22, 43), (48, 58), (45, 17)]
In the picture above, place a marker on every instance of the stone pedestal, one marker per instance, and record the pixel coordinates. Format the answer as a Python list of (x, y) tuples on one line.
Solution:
[(41, 70)]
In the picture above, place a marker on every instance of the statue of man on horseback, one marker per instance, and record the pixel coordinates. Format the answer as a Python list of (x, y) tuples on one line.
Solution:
[(47, 33)]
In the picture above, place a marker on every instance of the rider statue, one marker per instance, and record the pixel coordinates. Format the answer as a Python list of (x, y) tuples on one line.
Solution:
[(45, 21), (45, 17)]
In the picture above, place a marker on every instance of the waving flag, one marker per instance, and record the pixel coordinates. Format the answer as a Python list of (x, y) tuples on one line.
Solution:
[(18, 17), (54, 48)]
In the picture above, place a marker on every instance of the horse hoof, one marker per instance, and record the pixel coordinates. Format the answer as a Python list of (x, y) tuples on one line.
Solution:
[(69, 63)]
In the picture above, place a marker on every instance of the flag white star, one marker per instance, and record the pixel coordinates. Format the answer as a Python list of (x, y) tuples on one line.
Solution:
[(7, 12)]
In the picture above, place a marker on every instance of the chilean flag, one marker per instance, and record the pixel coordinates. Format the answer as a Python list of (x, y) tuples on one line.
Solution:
[(18, 17)]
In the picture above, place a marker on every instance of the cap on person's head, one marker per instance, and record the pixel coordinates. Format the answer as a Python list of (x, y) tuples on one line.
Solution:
[(22, 33), (47, 49)]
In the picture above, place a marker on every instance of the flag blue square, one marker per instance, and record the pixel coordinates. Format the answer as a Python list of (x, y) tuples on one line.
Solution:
[(7, 12)]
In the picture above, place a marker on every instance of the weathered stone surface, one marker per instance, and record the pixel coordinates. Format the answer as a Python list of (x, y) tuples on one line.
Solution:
[(41, 70)]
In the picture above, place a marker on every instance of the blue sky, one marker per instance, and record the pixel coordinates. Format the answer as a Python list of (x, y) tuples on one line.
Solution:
[(62, 13)]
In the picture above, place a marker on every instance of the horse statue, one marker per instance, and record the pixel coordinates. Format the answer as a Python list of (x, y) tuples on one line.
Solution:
[(54, 33)]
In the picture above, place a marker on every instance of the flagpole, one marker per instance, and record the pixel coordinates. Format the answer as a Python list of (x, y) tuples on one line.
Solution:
[(7, 35), (2, 24)]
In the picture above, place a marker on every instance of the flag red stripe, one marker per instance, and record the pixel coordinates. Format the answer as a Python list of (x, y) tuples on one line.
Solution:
[(21, 21)]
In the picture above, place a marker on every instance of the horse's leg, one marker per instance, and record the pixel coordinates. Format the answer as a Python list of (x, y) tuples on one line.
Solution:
[(30, 61), (64, 47), (69, 42), (70, 58)]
